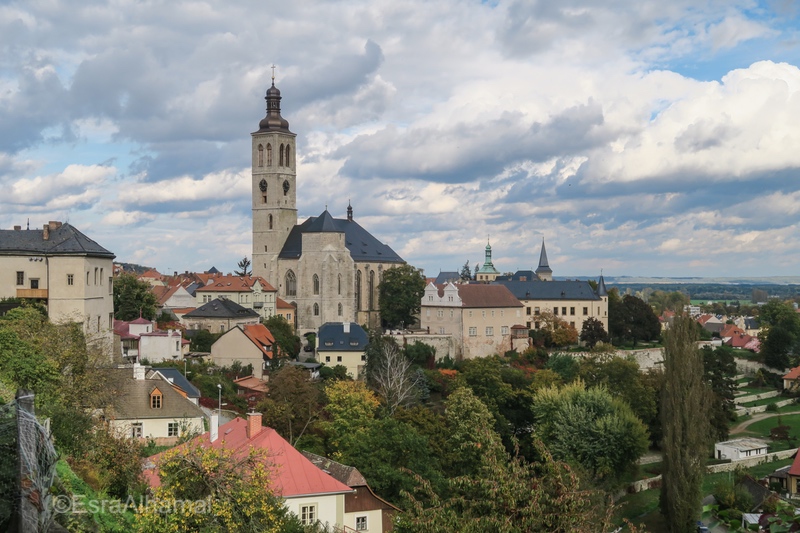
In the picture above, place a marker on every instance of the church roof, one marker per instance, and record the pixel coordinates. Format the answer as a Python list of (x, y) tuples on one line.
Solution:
[(445, 277), (551, 290), (544, 266), (62, 239), (601, 287), (363, 246)]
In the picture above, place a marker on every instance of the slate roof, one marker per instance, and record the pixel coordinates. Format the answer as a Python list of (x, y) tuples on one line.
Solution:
[(544, 266), (292, 474), (550, 290), (64, 240), (331, 337), (221, 308), (519, 275), (131, 397), (363, 246), (349, 475), (445, 277), (179, 380)]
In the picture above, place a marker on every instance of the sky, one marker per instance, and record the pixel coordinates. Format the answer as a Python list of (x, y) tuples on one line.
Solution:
[(640, 137)]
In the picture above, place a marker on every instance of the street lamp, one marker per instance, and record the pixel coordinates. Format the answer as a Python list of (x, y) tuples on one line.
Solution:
[(185, 373), (219, 400)]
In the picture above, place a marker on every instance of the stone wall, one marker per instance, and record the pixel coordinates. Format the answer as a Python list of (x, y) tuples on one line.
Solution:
[(443, 344), (754, 397), (741, 411)]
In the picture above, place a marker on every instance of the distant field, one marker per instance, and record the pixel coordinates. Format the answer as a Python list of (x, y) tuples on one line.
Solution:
[(725, 302)]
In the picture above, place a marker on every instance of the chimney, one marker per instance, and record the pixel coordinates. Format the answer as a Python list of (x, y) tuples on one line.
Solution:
[(17, 228), (346, 327), (138, 371), (54, 224), (213, 433), (46, 232), (176, 273), (253, 424)]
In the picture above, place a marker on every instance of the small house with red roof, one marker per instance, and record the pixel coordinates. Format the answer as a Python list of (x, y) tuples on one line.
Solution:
[(249, 344), (252, 388), (307, 491), (287, 310), (788, 477), (791, 381), (251, 292), (744, 342)]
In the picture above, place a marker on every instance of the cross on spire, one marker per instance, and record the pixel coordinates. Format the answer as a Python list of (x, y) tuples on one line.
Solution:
[(273, 74)]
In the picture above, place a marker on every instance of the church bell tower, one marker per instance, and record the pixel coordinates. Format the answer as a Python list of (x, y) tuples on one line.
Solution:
[(273, 187)]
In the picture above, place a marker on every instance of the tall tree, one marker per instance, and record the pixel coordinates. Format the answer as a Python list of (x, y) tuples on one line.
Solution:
[(244, 267), (466, 273), (292, 403), (593, 332), (780, 335), (719, 367), (393, 379), (288, 343), (685, 425), (400, 295), (133, 299)]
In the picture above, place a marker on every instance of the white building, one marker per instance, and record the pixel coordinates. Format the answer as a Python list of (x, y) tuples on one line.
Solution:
[(738, 449)]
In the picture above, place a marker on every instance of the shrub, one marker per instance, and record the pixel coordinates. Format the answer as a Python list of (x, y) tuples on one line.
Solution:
[(772, 407)]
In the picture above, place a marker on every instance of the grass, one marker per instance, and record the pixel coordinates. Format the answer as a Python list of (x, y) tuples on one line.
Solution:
[(762, 427), (763, 401), (757, 390)]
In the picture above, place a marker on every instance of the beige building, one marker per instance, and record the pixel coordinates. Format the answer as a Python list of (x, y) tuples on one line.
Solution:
[(250, 345), (63, 268), (479, 317), (343, 344), (328, 268), (251, 292)]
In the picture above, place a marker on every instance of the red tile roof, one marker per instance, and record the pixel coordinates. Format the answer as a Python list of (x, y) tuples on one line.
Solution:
[(731, 330), (261, 337), (483, 295), (236, 284), (280, 303), (795, 469), (702, 319), (793, 373), (252, 383), (293, 474)]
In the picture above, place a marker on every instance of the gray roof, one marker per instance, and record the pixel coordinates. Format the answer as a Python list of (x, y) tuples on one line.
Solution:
[(131, 397), (750, 323), (519, 275), (63, 240), (332, 338), (221, 308), (550, 290), (445, 277), (179, 380), (361, 244), (544, 266), (601, 287), (349, 475)]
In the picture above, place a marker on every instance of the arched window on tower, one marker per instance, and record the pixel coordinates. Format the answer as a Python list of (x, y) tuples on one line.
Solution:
[(316, 284), (260, 155), (280, 159), (371, 289), (270, 222), (339, 285), (269, 155), (291, 283), (288, 155), (358, 290), (340, 309), (316, 309)]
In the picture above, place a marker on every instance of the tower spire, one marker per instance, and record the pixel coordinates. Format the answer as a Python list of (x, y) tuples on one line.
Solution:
[(544, 271), (349, 211)]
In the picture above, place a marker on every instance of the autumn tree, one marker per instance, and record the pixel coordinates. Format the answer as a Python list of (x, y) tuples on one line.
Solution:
[(351, 407), (685, 425), (400, 295), (133, 298)]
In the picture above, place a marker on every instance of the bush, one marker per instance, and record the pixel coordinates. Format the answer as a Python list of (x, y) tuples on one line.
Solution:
[(772, 407)]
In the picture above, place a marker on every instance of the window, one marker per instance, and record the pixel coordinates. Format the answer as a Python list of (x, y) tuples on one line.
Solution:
[(427, 312), (555, 311), (338, 358), (260, 155), (536, 311), (527, 310), (263, 198), (363, 357), (358, 290), (316, 309), (449, 298), (21, 278), (291, 284), (564, 311), (470, 314), (136, 430), (270, 227), (34, 284), (361, 523), (87, 277), (70, 279), (451, 313), (339, 285), (372, 289), (492, 312), (572, 311), (489, 331), (280, 156), (155, 399), (473, 332), (441, 331), (585, 311), (327, 358), (340, 310), (572, 324), (110, 285), (504, 330), (95, 275), (177, 346), (537, 325), (316, 284), (440, 313), (172, 429), (308, 514), (101, 276), (288, 154), (483, 314), (269, 155)]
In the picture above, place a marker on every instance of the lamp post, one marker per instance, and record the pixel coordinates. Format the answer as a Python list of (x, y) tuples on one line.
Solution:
[(219, 400)]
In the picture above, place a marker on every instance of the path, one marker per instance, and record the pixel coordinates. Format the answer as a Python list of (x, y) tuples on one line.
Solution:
[(757, 417)]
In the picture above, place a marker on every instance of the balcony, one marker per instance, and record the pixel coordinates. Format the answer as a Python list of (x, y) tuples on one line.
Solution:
[(32, 293)]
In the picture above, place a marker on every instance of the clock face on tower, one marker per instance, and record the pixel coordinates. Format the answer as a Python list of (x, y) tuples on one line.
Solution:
[(263, 185)]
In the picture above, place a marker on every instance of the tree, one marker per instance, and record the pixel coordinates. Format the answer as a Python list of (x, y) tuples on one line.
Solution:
[(593, 332), (393, 378), (133, 299), (350, 409), (591, 428), (218, 490), (400, 295), (288, 343), (719, 367), (780, 335), (202, 340), (685, 424), (466, 273), (292, 403), (558, 331), (244, 267), (632, 319)]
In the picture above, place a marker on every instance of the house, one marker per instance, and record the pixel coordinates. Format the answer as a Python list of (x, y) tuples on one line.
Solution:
[(252, 388), (219, 316), (251, 292), (363, 509), (738, 449), (711, 323), (250, 344), (792, 379), (343, 343), (178, 295), (287, 311), (64, 269), (730, 330), (152, 277), (180, 383), (307, 491), (139, 339), (744, 342), (478, 317), (788, 477), (145, 405)]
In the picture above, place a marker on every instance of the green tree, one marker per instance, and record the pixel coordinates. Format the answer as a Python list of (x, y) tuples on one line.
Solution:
[(292, 404), (635, 320), (202, 340), (564, 365), (133, 299), (593, 332), (466, 273), (685, 424), (400, 295), (780, 335), (719, 367), (243, 267), (591, 428), (288, 343), (351, 408)]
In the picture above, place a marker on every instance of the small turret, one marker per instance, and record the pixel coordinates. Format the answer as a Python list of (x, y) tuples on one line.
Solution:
[(544, 271)]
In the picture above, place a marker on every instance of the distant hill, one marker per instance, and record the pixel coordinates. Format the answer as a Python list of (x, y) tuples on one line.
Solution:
[(765, 280)]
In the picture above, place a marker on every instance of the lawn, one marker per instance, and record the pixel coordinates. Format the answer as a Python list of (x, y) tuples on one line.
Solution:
[(763, 401), (762, 427), (756, 390)]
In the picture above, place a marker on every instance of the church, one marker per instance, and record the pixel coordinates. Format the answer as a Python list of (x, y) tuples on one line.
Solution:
[(328, 267)]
